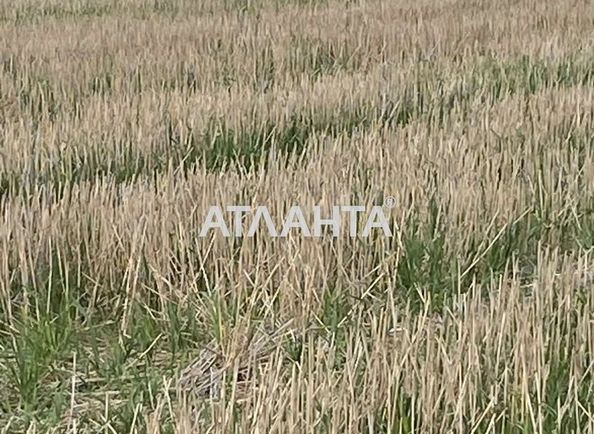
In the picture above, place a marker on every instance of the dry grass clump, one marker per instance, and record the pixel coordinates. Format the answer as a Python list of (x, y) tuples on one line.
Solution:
[(122, 122), (204, 376)]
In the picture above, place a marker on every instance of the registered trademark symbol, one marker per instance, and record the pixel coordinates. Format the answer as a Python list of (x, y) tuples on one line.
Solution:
[(390, 202)]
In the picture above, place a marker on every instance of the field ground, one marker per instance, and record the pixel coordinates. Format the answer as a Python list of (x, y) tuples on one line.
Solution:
[(122, 121)]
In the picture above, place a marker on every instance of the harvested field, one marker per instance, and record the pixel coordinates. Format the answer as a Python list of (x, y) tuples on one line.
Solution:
[(122, 122)]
